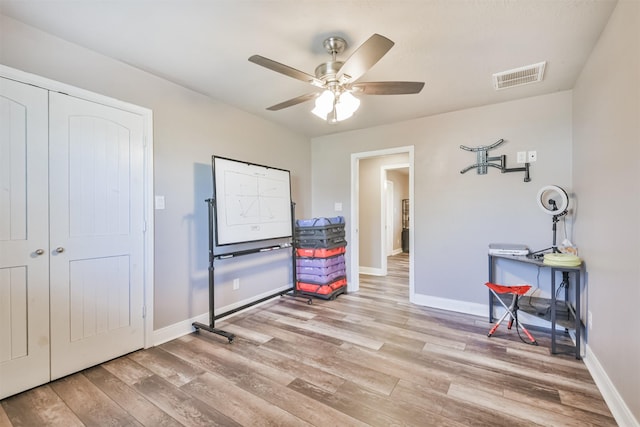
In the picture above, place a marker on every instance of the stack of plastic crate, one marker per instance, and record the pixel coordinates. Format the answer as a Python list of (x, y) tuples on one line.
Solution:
[(320, 248)]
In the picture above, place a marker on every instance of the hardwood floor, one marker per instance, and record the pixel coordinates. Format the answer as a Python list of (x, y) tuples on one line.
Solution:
[(367, 358)]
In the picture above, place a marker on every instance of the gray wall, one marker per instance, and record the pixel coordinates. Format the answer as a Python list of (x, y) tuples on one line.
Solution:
[(458, 215), (188, 129), (606, 172)]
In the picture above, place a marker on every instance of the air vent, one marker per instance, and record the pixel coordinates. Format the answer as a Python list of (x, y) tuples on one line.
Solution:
[(519, 76)]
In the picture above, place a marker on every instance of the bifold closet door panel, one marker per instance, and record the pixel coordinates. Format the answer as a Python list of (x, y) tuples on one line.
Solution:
[(24, 238), (97, 231)]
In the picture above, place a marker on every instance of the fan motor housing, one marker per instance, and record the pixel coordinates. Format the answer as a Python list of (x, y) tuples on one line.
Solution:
[(327, 70)]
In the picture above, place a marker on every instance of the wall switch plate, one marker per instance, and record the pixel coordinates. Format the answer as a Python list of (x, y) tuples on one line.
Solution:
[(522, 157), (590, 320), (337, 206), (159, 202), (532, 156), (236, 284)]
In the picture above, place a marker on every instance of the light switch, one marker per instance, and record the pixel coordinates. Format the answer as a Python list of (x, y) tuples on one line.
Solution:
[(159, 202), (522, 157), (337, 206)]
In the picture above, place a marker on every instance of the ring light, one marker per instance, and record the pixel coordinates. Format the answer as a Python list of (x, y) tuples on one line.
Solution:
[(553, 200)]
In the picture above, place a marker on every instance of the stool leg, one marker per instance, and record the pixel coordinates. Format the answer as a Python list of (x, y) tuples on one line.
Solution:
[(504, 316), (513, 308)]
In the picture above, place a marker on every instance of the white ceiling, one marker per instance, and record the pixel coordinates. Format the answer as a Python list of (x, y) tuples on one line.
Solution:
[(453, 45)]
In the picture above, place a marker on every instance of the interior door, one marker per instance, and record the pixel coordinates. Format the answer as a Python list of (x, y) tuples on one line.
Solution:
[(24, 246), (96, 212)]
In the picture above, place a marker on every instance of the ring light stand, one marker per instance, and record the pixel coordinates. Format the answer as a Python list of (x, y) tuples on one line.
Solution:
[(554, 201)]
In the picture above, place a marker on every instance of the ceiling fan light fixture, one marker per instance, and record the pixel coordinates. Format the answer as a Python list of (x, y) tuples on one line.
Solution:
[(346, 105), (324, 104), (335, 107)]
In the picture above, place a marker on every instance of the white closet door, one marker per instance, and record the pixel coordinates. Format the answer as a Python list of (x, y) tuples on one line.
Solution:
[(96, 213), (24, 245)]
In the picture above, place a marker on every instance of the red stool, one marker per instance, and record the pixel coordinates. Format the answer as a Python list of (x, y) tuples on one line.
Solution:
[(512, 310)]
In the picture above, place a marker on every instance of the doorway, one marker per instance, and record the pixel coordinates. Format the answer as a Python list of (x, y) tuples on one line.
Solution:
[(359, 226), (394, 188)]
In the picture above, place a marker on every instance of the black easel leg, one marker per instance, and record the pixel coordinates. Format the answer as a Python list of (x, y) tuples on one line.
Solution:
[(210, 327)]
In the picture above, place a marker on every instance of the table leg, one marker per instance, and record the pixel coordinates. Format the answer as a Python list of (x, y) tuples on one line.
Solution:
[(490, 294), (578, 321), (553, 311), (566, 280)]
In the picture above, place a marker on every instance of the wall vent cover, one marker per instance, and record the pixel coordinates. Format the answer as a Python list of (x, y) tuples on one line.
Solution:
[(519, 76)]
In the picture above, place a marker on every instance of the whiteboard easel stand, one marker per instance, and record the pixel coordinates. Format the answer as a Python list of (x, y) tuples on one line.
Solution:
[(212, 257)]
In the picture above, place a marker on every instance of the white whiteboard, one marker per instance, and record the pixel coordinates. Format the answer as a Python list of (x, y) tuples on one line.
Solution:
[(252, 202)]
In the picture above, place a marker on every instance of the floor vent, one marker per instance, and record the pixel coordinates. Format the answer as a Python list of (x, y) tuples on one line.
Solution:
[(519, 76)]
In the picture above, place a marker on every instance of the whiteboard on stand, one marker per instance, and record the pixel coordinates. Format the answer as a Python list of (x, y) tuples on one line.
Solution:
[(252, 202)]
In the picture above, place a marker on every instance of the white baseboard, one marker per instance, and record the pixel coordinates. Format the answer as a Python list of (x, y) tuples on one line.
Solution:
[(478, 310), (171, 332), (617, 406), (451, 305), (185, 327), (371, 271)]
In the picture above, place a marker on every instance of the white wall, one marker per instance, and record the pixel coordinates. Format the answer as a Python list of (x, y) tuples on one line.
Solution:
[(188, 129), (606, 172), (458, 215)]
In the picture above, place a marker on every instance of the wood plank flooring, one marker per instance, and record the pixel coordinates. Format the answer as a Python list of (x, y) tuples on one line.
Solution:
[(367, 358)]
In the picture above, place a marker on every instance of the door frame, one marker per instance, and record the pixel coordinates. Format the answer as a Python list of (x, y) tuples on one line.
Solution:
[(354, 243), (388, 221), (147, 116)]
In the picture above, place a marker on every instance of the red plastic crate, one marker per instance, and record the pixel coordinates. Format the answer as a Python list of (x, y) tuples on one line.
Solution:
[(312, 288), (320, 252)]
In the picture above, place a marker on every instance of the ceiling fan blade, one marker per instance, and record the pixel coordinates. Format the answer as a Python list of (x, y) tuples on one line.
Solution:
[(294, 101), (386, 88), (364, 58), (286, 70)]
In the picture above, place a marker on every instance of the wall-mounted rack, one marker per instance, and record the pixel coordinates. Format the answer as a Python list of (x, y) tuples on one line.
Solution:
[(483, 161)]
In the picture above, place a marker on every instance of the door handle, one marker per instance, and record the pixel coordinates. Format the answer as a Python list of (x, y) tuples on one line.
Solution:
[(39, 251), (59, 249)]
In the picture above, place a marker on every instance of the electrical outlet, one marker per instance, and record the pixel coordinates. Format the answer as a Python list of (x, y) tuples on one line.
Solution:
[(236, 284), (590, 320), (522, 157), (532, 156)]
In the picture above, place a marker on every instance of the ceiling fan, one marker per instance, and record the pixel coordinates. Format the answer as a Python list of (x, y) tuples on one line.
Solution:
[(339, 79)]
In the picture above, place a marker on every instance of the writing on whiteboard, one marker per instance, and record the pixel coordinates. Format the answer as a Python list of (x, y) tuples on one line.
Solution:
[(253, 202)]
